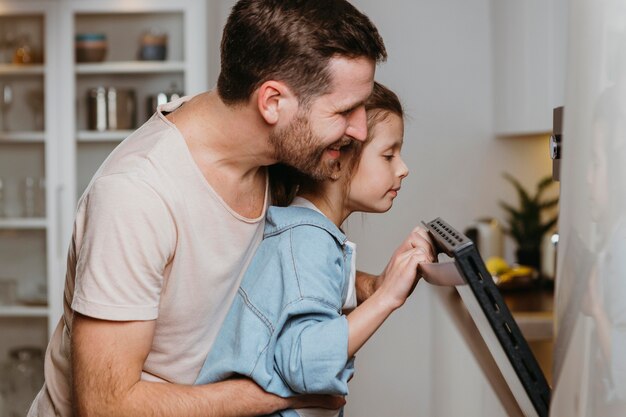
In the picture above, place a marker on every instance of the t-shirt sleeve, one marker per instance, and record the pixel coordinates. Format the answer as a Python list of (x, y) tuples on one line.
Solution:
[(127, 237)]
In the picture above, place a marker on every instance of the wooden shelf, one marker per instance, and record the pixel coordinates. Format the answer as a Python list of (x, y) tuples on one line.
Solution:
[(24, 136), (15, 69), (131, 67), (23, 311), (106, 136), (23, 223)]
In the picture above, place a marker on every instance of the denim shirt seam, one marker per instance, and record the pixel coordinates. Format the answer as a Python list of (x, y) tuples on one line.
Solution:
[(295, 271), (337, 234), (259, 356), (344, 271), (267, 322), (293, 263), (256, 311)]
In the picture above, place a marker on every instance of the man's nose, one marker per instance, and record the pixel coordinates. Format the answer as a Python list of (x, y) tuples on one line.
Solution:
[(357, 124)]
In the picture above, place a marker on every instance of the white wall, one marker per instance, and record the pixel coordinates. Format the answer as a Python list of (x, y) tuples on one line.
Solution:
[(440, 64)]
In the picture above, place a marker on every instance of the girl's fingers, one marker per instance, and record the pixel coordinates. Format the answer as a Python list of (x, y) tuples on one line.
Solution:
[(419, 238)]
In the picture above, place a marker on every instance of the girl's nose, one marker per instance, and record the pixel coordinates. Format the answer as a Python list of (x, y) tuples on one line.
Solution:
[(403, 170)]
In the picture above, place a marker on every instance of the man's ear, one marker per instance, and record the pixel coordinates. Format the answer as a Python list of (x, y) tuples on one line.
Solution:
[(273, 99)]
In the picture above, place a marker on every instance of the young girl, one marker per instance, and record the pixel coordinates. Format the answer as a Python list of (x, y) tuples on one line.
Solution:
[(285, 329)]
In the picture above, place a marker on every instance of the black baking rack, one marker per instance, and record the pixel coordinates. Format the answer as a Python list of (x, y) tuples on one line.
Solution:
[(472, 268)]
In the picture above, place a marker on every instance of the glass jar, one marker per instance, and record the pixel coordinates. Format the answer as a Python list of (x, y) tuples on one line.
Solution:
[(25, 52), (25, 379)]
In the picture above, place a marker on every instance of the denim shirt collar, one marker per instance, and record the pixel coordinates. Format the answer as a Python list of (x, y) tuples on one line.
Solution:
[(280, 219)]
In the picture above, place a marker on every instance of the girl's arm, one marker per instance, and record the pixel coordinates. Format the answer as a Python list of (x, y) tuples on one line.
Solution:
[(367, 284), (312, 351), (399, 282)]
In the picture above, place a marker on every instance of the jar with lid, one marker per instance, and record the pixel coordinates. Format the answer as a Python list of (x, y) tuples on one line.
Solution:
[(24, 373), (153, 46), (90, 47)]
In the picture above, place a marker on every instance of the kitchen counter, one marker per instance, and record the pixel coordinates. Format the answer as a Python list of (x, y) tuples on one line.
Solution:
[(533, 311)]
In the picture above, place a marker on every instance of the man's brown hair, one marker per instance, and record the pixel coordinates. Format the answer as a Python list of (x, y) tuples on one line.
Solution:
[(291, 41)]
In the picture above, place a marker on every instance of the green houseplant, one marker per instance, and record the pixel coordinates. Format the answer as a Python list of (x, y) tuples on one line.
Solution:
[(525, 223)]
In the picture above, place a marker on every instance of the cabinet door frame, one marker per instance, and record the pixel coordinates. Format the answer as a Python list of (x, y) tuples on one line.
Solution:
[(48, 10), (195, 75)]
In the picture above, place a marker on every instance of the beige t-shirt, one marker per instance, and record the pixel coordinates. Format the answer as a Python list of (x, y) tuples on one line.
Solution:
[(152, 241)]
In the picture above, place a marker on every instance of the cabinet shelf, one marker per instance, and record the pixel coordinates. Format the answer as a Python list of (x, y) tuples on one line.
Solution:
[(23, 311), (106, 136), (131, 67), (24, 136), (64, 152), (16, 69), (22, 223)]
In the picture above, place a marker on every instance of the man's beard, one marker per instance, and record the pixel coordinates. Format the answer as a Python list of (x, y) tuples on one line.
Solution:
[(297, 146)]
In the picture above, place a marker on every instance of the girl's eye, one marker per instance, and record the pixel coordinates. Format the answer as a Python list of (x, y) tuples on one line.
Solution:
[(388, 157)]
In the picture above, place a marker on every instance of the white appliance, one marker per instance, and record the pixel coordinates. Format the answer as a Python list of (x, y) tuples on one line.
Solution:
[(590, 350)]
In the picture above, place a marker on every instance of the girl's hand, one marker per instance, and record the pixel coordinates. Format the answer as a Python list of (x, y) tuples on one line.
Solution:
[(400, 276), (418, 239)]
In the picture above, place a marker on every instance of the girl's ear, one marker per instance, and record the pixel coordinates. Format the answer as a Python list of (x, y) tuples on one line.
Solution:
[(275, 99)]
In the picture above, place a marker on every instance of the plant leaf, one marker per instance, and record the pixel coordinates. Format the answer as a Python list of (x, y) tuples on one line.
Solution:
[(523, 195), (524, 222), (549, 204)]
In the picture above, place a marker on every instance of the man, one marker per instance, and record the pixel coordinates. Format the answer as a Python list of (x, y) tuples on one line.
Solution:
[(171, 219)]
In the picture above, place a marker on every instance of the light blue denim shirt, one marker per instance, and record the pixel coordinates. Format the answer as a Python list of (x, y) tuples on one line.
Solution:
[(285, 329)]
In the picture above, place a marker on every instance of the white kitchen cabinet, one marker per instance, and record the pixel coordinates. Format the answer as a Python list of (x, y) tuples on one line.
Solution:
[(33, 249), (529, 52)]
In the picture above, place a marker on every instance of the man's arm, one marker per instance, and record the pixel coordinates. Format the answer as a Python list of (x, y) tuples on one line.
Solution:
[(107, 361), (367, 284)]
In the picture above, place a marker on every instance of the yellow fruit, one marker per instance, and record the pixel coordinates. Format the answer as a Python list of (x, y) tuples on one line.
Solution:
[(515, 272), (496, 265)]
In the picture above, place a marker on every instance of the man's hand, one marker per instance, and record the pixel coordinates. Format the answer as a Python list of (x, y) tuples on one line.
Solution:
[(329, 402)]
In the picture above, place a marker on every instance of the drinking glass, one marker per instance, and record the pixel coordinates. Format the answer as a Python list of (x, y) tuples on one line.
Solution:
[(34, 99), (29, 193), (25, 374), (6, 100), (8, 291), (2, 199), (7, 44)]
